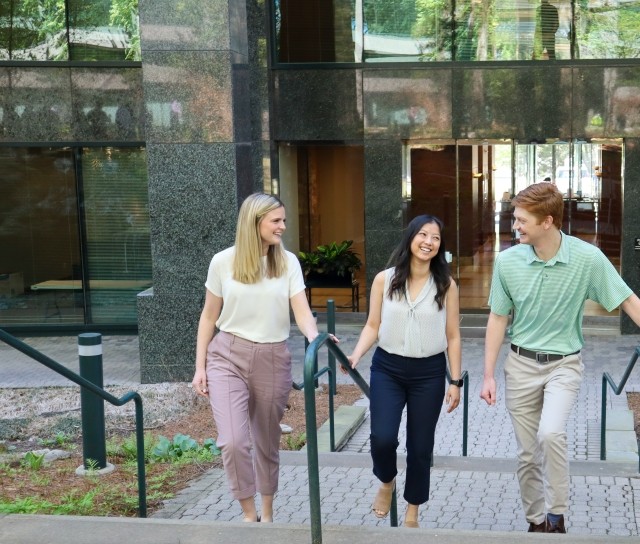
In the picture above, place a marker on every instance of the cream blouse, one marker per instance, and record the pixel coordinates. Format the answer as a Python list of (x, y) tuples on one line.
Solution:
[(412, 328)]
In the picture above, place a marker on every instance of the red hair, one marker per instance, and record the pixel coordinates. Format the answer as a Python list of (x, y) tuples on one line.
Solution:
[(541, 200)]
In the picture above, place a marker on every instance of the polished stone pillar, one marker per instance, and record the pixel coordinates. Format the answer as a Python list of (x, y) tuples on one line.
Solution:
[(196, 81), (631, 226)]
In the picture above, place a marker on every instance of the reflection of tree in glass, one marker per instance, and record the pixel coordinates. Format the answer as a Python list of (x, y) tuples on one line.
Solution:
[(609, 32), (433, 25), (390, 17), (44, 23), (38, 22)]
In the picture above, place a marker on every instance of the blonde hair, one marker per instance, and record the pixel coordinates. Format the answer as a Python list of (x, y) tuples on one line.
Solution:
[(247, 261)]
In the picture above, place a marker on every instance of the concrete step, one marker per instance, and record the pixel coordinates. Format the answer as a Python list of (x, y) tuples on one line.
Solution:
[(621, 439), (28, 529), (347, 420), (495, 465)]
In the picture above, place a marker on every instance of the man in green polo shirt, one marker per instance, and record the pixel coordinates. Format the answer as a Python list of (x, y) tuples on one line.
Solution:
[(545, 280)]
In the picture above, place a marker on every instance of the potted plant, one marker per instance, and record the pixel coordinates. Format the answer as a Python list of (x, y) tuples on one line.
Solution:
[(331, 264)]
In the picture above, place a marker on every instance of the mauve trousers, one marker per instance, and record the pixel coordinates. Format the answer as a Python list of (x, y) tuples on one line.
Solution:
[(249, 385)]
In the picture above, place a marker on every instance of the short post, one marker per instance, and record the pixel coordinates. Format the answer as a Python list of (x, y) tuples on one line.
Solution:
[(331, 329), (94, 444)]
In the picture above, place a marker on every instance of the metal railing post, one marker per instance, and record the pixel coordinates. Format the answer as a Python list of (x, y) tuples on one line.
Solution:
[(94, 443), (603, 421), (465, 413), (331, 329), (312, 442), (617, 389), (86, 384)]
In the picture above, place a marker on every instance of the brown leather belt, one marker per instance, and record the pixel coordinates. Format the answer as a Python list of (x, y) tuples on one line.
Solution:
[(540, 356)]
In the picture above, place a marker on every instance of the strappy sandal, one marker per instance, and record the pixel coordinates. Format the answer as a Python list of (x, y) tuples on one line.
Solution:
[(382, 502)]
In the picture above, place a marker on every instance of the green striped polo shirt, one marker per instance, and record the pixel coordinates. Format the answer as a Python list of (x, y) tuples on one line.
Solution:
[(548, 297)]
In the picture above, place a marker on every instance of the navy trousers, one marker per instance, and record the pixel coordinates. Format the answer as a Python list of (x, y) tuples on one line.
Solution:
[(418, 384)]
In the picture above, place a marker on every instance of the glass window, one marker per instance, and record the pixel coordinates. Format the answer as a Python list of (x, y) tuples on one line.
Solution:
[(116, 219), (45, 277), (512, 30), (464, 30), (608, 30), (33, 30), (407, 30), (316, 30), (40, 265), (104, 30)]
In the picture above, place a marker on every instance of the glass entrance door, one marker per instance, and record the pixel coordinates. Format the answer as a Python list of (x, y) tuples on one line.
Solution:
[(470, 184)]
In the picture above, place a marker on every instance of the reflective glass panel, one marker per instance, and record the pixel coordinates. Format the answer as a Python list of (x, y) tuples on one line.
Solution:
[(470, 186), (589, 175), (40, 264), (104, 30), (512, 30), (317, 31), (608, 30), (116, 219), (410, 30), (33, 30)]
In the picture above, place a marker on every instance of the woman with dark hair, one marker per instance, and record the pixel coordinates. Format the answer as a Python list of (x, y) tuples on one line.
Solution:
[(414, 318)]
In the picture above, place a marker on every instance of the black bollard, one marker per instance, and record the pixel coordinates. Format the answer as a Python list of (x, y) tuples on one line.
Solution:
[(92, 406)]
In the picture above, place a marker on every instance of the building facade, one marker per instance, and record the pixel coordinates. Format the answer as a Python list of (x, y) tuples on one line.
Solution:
[(128, 142)]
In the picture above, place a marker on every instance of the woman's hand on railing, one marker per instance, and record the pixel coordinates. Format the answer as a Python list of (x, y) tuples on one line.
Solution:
[(352, 363)]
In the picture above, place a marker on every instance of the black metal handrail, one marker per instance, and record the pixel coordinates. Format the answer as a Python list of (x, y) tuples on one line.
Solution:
[(617, 389), (82, 382), (310, 377)]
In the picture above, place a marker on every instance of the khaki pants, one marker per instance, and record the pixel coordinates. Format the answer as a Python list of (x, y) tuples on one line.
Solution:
[(249, 385), (539, 398)]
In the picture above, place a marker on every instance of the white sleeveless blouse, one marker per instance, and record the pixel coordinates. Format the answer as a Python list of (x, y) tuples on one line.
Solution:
[(412, 328)]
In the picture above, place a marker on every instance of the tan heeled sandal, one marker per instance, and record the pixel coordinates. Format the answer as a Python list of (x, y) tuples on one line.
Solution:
[(411, 522), (382, 502)]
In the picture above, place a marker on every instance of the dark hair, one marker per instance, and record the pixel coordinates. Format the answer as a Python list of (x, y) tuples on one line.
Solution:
[(401, 260)]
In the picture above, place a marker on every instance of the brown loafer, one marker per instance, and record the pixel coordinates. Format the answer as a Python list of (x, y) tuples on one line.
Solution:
[(538, 528)]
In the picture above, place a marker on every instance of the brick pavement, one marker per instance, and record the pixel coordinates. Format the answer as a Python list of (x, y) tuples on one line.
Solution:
[(479, 492)]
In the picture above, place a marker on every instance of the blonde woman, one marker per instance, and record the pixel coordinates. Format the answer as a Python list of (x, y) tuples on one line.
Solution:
[(242, 362)]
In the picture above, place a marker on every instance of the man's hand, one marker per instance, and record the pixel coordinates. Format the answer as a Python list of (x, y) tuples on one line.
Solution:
[(488, 392)]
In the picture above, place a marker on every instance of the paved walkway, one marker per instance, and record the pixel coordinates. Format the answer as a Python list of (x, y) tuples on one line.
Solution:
[(475, 493)]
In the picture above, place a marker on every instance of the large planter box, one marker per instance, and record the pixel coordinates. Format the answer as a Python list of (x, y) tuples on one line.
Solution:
[(314, 279), (11, 285), (333, 281)]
